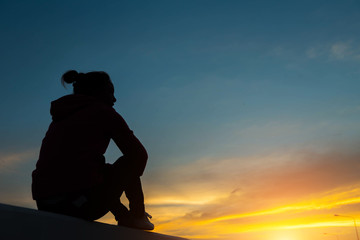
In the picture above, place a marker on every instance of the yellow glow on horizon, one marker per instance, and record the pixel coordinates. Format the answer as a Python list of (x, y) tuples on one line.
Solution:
[(317, 212), (284, 236), (169, 200), (216, 214), (327, 202)]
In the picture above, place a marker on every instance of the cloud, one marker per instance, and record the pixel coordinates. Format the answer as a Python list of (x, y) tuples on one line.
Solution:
[(348, 110), (287, 188), (15, 177), (314, 52), (9, 161), (294, 172), (342, 50)]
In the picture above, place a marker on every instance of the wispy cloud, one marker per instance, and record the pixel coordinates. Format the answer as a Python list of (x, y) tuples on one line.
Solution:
[(8, 161), (341, 50), (314, 52), (286, 190), (15, 177)]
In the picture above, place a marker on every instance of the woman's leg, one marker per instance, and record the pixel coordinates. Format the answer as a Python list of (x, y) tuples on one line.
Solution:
[(97, 201), (134, 194), (120, 177), (81, 205)]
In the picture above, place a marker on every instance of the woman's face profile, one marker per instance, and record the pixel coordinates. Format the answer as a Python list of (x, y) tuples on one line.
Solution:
[(109, 94)]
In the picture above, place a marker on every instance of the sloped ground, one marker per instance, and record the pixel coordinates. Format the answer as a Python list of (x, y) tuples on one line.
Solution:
[(18, 223)]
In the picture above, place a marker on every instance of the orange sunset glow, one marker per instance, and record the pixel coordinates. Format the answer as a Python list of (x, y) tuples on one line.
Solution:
[(293, 202)]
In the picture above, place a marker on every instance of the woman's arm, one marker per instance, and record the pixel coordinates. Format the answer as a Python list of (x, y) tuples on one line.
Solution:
[(134, 153)]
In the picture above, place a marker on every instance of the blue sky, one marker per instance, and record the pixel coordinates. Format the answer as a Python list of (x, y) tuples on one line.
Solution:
[(197, 81)]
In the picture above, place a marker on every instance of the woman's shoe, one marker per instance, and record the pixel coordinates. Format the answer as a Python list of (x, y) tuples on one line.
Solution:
[(142, 222)]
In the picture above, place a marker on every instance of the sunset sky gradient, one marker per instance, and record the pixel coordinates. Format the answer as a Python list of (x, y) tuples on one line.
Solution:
[(249, 110)]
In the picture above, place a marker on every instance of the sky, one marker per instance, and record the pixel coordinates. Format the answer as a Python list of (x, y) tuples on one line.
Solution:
[(249, 110)]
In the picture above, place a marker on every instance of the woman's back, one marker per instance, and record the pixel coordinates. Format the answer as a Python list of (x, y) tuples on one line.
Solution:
[(71, 156)]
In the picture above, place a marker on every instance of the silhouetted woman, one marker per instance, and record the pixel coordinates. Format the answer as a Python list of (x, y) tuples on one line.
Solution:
[(71, 176)]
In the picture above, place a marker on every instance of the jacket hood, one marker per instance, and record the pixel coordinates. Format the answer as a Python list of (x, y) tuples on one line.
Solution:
[(70, 104)]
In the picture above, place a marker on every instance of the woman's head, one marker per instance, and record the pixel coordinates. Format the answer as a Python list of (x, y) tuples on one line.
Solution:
[(97, 84)]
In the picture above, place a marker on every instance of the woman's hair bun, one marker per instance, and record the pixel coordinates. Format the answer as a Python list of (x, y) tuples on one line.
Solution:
[(92, 83), (69, 77)]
